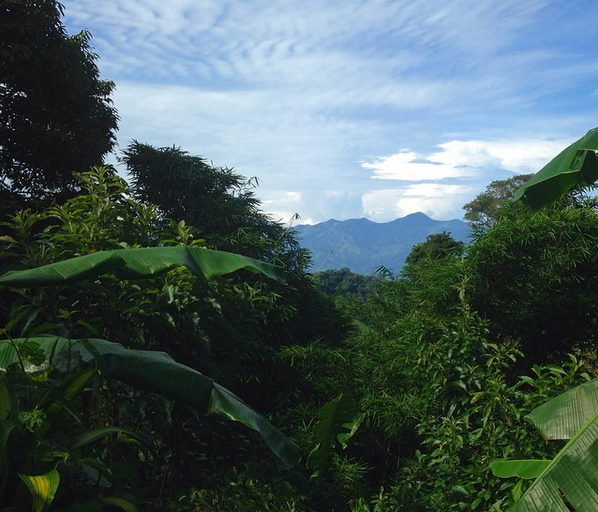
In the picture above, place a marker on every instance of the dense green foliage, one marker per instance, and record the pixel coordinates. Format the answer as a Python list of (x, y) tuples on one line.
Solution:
[(536, 277), (121, 324), (344, 283), (56, 114), (225, 328), (485, 210)]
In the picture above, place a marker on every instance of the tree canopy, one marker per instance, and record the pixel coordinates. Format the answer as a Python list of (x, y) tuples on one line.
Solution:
[(218, 202), (56, 115), (436, 246), (483, 212)]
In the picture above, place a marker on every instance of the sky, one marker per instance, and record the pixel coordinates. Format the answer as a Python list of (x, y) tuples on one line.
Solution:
[(352, 108)]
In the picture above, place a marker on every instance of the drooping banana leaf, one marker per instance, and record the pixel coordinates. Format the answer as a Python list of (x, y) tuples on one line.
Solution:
[(139, 264), (576, 165), (159, 373)]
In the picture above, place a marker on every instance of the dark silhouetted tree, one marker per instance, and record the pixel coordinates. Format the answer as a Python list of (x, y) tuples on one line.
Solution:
[(56, 115)]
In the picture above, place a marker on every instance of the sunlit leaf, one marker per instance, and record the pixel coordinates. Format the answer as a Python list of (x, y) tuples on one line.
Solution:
[(569, 482), (526, 469), (563, 416)]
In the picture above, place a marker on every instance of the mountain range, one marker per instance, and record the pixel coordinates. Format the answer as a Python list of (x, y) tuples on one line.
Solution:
[(363, 246)]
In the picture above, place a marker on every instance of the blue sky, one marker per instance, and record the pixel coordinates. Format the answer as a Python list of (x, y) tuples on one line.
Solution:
[(352, 108)]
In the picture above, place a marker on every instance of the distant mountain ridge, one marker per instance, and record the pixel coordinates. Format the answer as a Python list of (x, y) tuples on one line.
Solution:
[(362, 245)]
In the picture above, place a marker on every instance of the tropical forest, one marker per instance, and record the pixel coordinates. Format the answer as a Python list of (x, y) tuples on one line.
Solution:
[(164, 345)]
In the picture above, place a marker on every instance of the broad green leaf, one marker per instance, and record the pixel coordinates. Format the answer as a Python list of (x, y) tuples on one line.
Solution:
[(42, 488), (352, 427), (576, 165), (526, 469), (563, 416), (332, 420), (99, 433), (139, 264), (570, 478), (224, 403), (159, 373)]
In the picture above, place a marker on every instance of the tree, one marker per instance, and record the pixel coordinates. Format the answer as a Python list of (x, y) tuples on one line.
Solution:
[(56, 115), (534, 276), (164, 309), (436, 246), (344, 283), (217, 201), (483, 212), (212, 199)]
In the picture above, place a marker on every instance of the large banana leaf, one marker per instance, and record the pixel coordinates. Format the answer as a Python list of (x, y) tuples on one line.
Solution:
[(159, 373), (139, 264), (571, 478), (526, 469), (564, 415), (576, 165)]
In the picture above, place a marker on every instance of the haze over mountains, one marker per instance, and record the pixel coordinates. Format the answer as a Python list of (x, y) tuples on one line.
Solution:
[(362, 245)]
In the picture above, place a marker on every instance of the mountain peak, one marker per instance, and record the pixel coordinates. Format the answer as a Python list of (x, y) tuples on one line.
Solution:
[(362, 245)]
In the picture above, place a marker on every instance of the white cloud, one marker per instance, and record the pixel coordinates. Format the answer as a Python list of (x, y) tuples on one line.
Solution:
[(299, 93), (435, 200), (466, 159), (409, 166)]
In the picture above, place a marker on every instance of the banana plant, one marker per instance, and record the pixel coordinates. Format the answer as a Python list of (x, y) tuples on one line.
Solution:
[(571, 478), (338, 420), (139, 264), (154, 371), (577, 164)]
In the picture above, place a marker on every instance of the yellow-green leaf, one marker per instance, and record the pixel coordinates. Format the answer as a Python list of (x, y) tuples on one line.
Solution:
[(42, 488)]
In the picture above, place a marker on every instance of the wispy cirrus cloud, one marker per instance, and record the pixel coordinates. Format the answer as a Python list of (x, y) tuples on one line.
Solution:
[(311, 95)]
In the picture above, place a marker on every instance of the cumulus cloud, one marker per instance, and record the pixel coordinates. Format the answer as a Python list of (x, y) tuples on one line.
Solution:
[(466, 159), (423, 178)]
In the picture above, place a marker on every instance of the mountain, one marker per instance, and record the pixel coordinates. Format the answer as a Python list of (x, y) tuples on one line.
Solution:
[(362, 245)]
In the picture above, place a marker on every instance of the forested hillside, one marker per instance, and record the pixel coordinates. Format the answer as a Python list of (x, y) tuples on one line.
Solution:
[(164, 346), (363, 246)]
